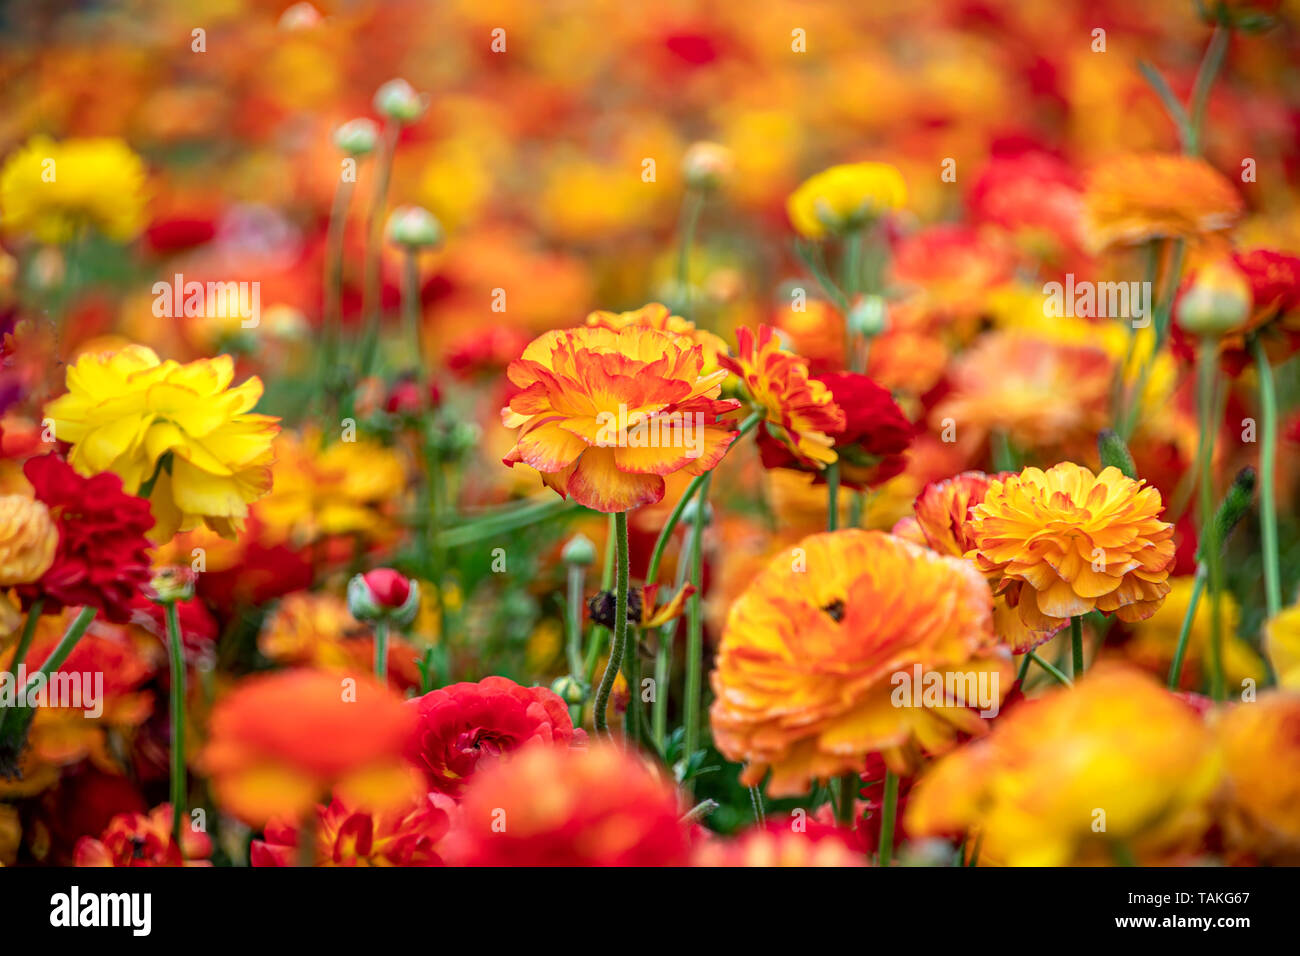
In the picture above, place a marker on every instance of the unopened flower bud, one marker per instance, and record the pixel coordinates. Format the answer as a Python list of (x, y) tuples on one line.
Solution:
[(707, 165), (300, 16), (398, 101), (1217, 301), (579, 550), (357, 137), (383, 594), (868, 316), (414, 227), (570, 689), (171, 584), (688, 513)]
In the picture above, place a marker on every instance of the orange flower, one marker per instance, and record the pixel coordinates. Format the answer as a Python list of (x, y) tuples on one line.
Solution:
[(1115, 762), (1135, 197), (656, 316), (137, 839), (941, 521), (1041, 393), (811, 653), (406, 835), (799, 411), (1261, 799), (280, 741), (1066, 542), (605, 414), (551, 806), (28, 539)]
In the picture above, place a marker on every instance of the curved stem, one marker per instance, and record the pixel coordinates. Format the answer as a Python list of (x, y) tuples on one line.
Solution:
[(60, 654), (1267, 467), (372, 307), (24, 642), (691, 206), (620, 624), (176, 656), (1051, 668)]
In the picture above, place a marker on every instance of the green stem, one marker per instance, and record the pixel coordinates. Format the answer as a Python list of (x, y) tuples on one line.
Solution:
[(1209, 69), (695, 629), (692, 203), (1207, 370), (573, 619), (24, 642), (411, 317), (850, 783), (381, 649), (833, 496), (1076, 646), (1267, 467), (332, 320), (60, 654), (176, 655), (887, 814), (1176, 668), (1052, 669), (372, 307), (620, 624), (756, 801)]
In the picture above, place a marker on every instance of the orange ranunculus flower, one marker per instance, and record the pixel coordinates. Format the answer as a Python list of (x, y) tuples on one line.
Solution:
[(1043, 394), (942, 521), (139, 839), (1066, 542), (1260, 803), (406, 835), (553, 806), (800, 411), (1135, 197), (279, 742), (28, 539), (811, 651), (604, 414), (1115, 762), (778, 844), (656, 316)]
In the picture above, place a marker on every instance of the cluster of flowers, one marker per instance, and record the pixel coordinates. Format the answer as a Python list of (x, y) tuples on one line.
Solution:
[(889, 424)]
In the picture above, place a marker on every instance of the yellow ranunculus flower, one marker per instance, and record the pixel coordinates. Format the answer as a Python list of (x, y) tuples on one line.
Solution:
[(1282, 643), (51, 190), (181, 427), (844, 198)]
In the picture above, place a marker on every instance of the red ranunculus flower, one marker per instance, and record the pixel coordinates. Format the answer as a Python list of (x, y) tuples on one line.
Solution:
[(871, 443), (402, 836), (137, 839), (103, 556), (464, 727)]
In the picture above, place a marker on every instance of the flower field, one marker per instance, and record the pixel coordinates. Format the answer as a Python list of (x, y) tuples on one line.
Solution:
[(599, 434)]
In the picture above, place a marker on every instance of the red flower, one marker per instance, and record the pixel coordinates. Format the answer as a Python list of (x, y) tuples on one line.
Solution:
[(388, 587), (103, 555), (871, 443), (551, 806), (464, 727), (403, 836), (134, 839)]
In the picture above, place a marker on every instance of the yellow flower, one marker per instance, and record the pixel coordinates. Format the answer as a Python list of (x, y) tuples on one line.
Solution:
[(809, 660), (181, 427), (1282, 643), (1136, 197), (844, 198), (28, 539), (1115, 763), (1155, 639), (1261, 795), (51, 190), (1067, 542), (339, 489)]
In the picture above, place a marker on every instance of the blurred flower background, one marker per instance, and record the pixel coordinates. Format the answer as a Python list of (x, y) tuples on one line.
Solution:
[(986, 312)]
